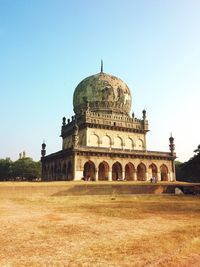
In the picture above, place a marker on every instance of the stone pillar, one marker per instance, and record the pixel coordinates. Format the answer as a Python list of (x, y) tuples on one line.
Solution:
[(134, 176), (173, 171), (110, 176), (78, 175), (171, 177), (123, 175), (96, 175), (145, 142), (146, 176), (158, 176), (74, 167)]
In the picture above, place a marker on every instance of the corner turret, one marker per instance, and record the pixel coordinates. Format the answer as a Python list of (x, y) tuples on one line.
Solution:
[(171, 144), (43, 151)]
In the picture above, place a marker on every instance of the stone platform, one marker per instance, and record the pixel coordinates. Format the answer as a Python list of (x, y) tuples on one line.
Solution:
[(40, 189)]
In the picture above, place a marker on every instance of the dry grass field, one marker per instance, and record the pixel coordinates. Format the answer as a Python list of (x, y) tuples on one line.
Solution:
[(137, 230)]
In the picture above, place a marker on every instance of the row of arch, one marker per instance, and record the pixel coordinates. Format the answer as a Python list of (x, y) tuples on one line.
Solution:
[(106, 172), (58, 171), (108, 142), (116, 142), (130, 173)]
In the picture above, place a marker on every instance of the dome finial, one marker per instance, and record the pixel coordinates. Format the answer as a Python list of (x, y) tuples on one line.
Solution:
[(101, 66)]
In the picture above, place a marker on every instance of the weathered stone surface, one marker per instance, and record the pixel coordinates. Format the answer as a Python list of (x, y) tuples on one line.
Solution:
[(103, 142), (102, 92), (178, 191)]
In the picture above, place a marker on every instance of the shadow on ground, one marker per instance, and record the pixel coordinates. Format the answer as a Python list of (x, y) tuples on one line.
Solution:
[(89, 189)]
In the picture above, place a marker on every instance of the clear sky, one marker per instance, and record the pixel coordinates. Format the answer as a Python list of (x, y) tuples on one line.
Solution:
[(47, 47)]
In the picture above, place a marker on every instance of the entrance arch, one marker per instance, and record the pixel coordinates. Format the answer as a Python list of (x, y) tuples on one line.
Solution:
[(164, 173), (116, 171), (129, 171), (59, 172), (55, 172), (103, 171), (153, 170), (141, 172), (69, 171), (51, 173), (89, 170), (64, 171)]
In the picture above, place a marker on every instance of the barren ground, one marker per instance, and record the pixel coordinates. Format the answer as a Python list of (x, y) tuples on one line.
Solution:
[(138, 230)]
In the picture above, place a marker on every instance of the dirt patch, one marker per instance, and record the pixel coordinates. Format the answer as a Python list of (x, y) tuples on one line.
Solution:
[(100, 231)]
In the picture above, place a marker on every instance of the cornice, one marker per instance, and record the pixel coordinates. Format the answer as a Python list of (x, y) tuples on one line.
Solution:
[(112, 153)]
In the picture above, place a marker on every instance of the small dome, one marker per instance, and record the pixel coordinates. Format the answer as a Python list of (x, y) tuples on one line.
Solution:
[(102, 93)]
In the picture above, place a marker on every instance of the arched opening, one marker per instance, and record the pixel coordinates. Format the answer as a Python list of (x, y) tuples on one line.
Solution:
[(153, 171), (59, 173), (89, 170), (141, 172), (64, 171), (55, 172), (164, 173), (116, 171), (117, 142), (51, 173), (103, 171), (106, 141), (94, 140), (45, 170), (129, 172), (129, 143), (139, 144), (69, 171)]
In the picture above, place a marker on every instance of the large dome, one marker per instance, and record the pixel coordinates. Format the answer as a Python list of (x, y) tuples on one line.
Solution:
[(102, 93)]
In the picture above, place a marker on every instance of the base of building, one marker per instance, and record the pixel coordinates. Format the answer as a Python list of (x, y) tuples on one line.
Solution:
[(42, 189)]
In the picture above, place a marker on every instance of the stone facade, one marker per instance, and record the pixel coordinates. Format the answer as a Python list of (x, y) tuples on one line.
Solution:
[(103, 142)]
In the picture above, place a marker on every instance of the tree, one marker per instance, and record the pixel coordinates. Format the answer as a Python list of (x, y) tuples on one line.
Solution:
[(190, 171), (178, 165), (26, 169), (197, 151), (5, 169)]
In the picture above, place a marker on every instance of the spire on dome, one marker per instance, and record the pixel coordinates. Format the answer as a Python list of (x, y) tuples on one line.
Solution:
[(101, 66)]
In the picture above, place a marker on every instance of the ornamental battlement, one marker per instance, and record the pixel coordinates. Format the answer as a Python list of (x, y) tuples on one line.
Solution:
[(114, 121)]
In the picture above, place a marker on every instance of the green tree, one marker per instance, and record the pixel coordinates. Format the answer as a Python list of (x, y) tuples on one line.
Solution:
[(26, 169), (190, 171), (178, 165), (5, 169)]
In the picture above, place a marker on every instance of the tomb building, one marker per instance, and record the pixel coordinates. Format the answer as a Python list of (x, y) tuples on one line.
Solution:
[(102, 141)]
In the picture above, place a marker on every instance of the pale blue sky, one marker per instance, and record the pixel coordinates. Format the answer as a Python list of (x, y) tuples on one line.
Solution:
[(47, 47)]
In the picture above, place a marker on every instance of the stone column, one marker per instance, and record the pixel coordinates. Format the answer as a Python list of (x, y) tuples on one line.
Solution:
[(134, 176), (171, 177), (151, 173), (78, 175), (158, 176), (110, 176), (145, 142), (123, 175), (74, 168), (96, 175), (173, 171), (146, 176)]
